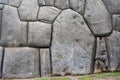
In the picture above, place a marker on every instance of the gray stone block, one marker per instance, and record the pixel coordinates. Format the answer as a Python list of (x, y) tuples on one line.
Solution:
[(1, 6), (72, 45), (21, 63), (113, 47), (4, 1), (62, 4), (78, 5), (28, 10), (113, 6), (98, 18), (41, 2), (1, 58), (39, 34), (45, 62), (116, 22), (13, 31), (48, 14), (49, 2), (15, 3)]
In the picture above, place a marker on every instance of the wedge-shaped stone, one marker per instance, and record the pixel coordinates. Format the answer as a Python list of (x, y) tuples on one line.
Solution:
[(1, 58), (116, 22), (28, 10), (62, 4), (78, 5), (113, 6), (72, 44), (21, 63), (113, 46), (39, 34), (45, 62), (13, 31), (49, 2), (15, 3), (48, 14), (98, 18), (41, 2)]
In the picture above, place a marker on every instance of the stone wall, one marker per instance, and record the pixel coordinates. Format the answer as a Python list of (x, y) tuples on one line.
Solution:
[(42, 38)]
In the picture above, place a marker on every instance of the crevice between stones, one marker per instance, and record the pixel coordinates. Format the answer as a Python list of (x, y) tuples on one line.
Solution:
[(3, 53)]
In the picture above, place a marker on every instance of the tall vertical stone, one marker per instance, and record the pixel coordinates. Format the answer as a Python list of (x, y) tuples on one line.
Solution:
[(113, 45), (98, 18), (72, 45), (45, 63)]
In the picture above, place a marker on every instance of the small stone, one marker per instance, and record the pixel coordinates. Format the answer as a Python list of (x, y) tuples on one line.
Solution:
[(15, 3), (49, 2), (1, 6), (28, 10), (116, 22), (48, 14), (13, 31), (41, 2), (45, 63), (62, 4), (78, 5), (39, 34), (98, 18), (113, 6), (4, 1), (21, 63), (113, 47), (1, 58)]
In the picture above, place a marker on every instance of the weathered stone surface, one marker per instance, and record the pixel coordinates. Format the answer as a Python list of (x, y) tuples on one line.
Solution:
[(48, 14), (62, 4), (72, 44), (98, 18), (113, 6), (21, 63), (45, 63), (39, 34), (116, 22), (41, 2), (0, 20), (4, 1), (113, 46), (28, 10), (15, 3), (1, 57), (49, 2), (13, 32), (1, 6), (78, 5), (101, 59)]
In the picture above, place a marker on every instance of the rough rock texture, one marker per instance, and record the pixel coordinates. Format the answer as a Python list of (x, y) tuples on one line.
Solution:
[(21, 63), (98, 18), (77, 5), (1, 58), (48, 14), (41, 2), (113, 6), (49, 2), (45, 62), (15, 3), (116, 22), (113, 45), (70, 45), (39, 34), (4, 1), (28, 10), (13, 31), (62, 4), (101, 58)]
